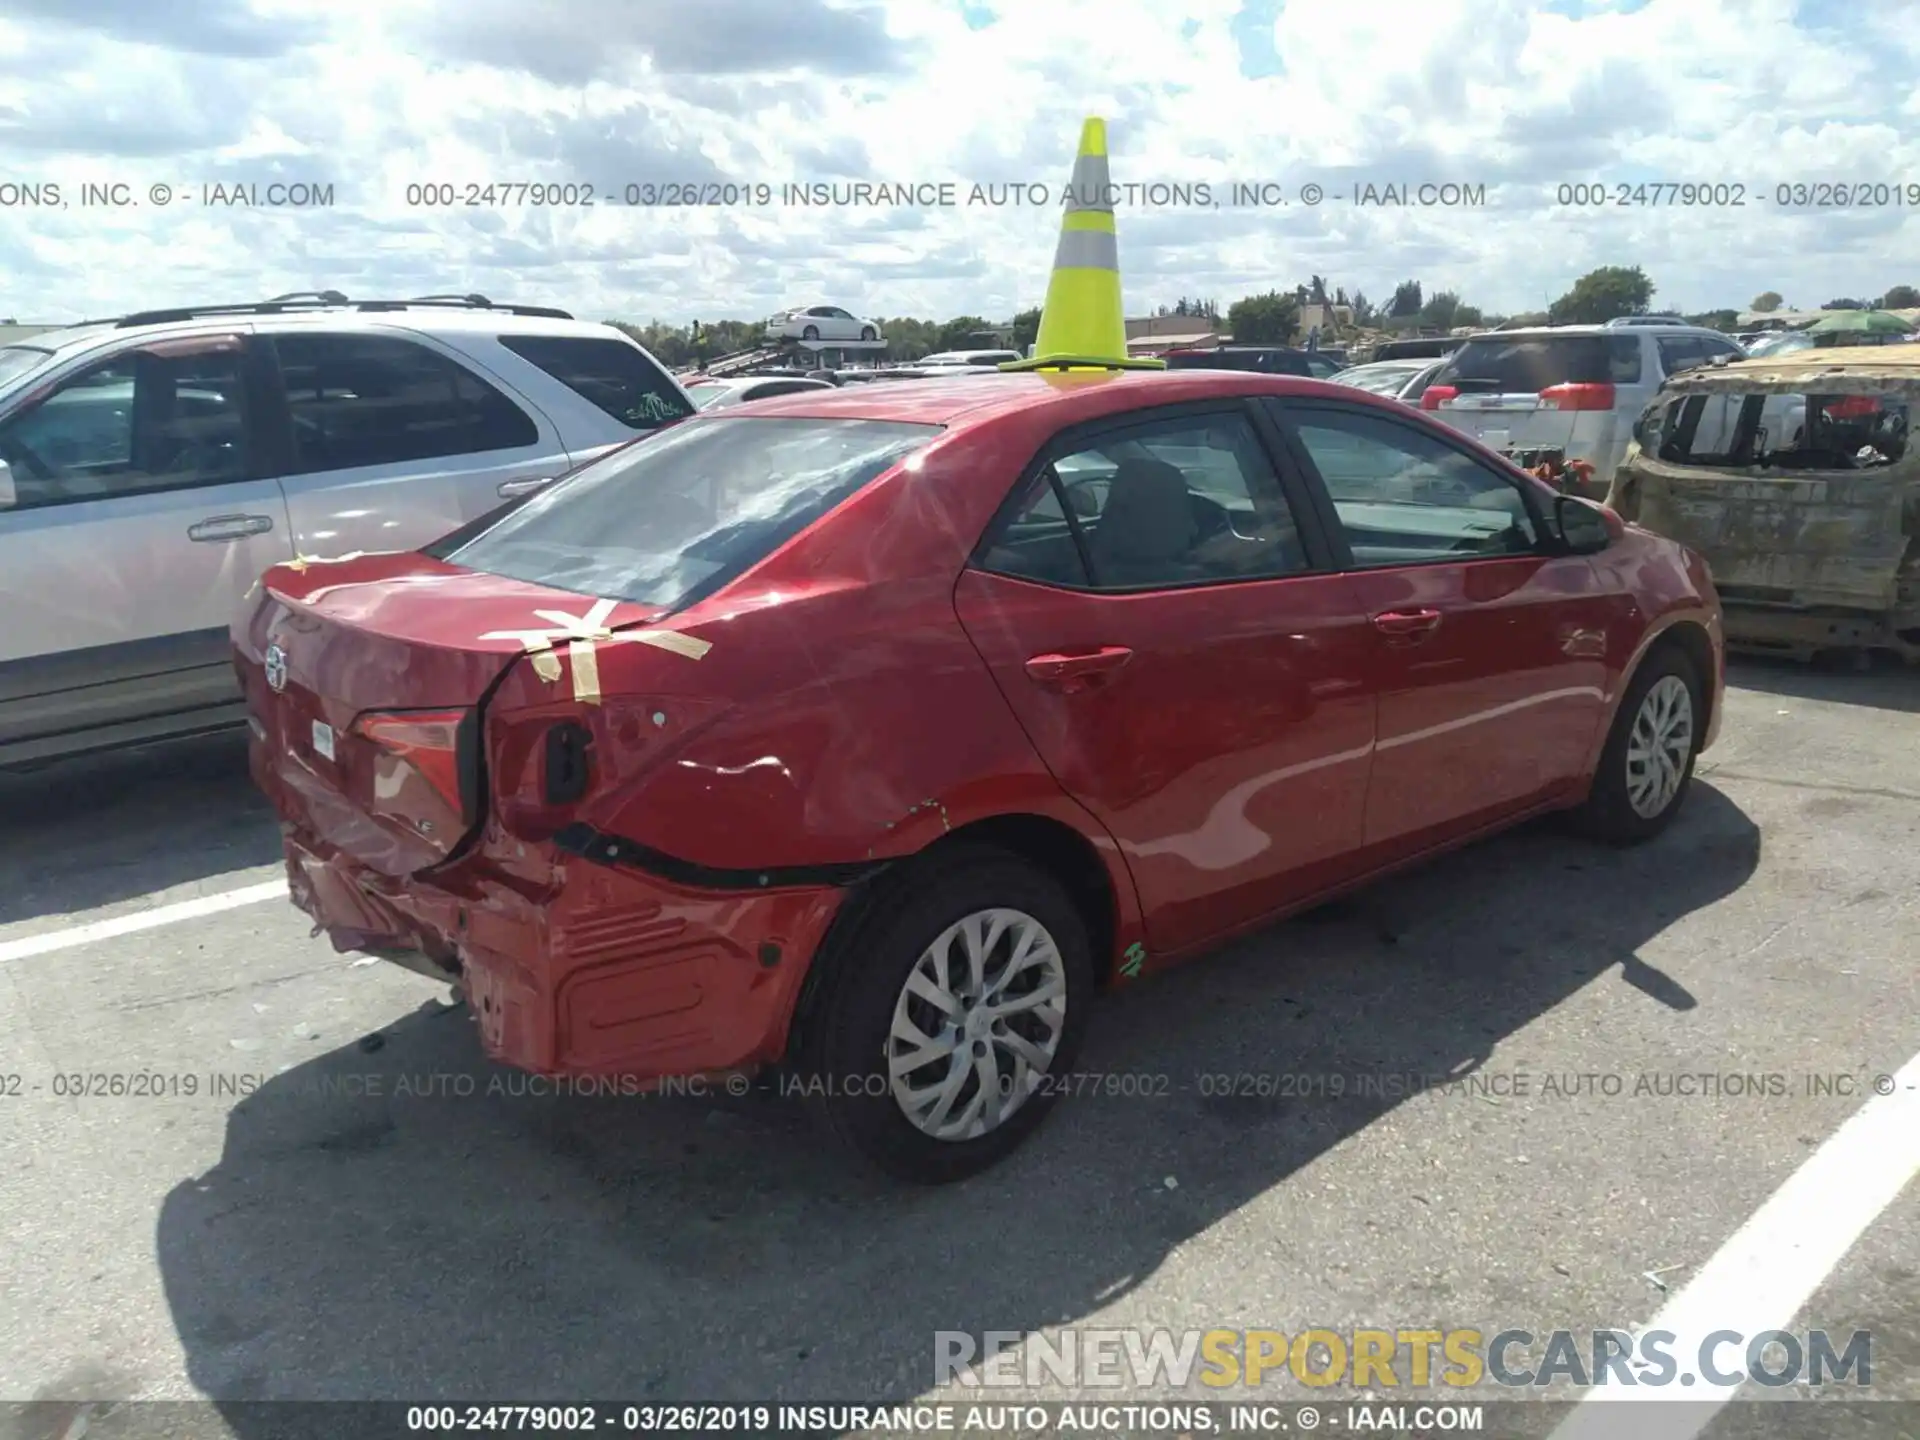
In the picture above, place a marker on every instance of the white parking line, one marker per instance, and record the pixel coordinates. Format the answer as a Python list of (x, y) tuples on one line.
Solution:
[(1762, 1277), (142, 920)]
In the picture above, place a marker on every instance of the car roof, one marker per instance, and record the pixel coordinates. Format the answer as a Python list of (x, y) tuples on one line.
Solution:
[(427, 319), (984, 395), (1540, 332)]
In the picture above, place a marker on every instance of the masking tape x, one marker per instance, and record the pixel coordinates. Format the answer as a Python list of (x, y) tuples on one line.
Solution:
[(582, 634)]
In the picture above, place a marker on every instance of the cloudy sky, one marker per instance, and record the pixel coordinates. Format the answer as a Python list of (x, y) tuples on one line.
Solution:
[(370, 99)]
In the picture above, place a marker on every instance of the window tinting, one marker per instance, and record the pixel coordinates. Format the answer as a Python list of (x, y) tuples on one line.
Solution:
[(360, 400), (1170, 503), (1404, 497), (613, 375), (679, 514), (1528, 364), (138, 423), (1035, 542)]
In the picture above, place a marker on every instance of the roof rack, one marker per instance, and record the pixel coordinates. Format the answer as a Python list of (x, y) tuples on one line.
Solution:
[(297, 300)]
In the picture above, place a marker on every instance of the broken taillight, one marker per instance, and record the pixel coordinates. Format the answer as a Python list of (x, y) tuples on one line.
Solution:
[(1431, 397), (435, 745), (1589, 396)]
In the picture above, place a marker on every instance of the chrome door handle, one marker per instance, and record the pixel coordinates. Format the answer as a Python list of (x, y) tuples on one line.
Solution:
[(511, 488), (230, 527)]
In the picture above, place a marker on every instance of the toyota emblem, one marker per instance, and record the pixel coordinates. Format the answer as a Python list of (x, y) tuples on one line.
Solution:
[(276, 661)]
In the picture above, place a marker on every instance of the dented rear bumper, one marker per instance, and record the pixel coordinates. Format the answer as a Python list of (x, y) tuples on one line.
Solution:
[(606, 971)]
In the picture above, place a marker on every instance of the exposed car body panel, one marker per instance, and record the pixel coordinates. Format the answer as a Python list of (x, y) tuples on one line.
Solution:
[(1805, 557)]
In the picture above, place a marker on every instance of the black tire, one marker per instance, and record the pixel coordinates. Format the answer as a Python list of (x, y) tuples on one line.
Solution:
[(1608, 814), (867, 335), (812, 332), (841, 1069)]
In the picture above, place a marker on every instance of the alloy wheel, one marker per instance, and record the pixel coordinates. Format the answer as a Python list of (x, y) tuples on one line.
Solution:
[(1659, 746), (977, 1024)]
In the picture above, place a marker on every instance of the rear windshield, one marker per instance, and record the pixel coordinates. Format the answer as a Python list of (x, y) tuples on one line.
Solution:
[(1529, 364), (612, 374), (1780, 430), (675, 517)]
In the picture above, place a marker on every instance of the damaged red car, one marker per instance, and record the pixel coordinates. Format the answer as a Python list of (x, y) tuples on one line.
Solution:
[(866, 734)]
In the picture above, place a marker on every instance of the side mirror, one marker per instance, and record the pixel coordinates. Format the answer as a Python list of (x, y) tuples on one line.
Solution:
[(1583, 525), (9, 494)]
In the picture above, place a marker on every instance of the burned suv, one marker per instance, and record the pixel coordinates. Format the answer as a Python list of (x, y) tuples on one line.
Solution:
[(1795, 478)]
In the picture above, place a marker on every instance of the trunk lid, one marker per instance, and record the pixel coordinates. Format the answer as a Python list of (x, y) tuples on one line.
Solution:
[(366, 678)]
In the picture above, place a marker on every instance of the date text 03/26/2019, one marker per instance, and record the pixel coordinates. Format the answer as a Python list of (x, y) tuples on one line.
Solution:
[(1739, 195)]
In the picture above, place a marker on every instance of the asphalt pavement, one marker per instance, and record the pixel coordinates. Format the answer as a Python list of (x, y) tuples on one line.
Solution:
[(320, 1190)]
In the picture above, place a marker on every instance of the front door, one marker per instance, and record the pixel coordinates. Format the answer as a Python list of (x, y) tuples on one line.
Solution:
[(1490, 648), (1168, 637), (139, 519)]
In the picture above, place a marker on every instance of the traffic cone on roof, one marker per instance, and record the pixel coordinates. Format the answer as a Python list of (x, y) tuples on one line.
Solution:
[(1082, 324)]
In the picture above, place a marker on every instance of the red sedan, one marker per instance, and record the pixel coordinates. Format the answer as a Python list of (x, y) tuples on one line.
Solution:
[(869, 733)]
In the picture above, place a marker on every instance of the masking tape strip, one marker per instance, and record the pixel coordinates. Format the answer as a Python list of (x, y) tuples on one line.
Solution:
[(583, 634)]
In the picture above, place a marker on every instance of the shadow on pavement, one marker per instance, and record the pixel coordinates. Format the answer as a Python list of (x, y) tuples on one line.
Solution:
[(447, 1245), (102, 829), (1887, 686)]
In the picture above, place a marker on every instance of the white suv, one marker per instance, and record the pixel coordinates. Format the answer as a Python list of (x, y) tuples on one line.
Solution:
[(1578, 389), (153, 466)]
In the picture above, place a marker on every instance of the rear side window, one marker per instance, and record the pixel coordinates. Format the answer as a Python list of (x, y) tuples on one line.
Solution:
[(616, 377), (1776, 428), (676, 516), (1528, 364), (363, 400)]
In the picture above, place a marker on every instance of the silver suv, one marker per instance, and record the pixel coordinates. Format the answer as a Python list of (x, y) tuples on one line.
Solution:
[(1578, 389), (151, 467)]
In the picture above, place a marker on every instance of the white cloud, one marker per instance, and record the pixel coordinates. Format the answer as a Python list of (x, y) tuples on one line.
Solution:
[(1507, 94)]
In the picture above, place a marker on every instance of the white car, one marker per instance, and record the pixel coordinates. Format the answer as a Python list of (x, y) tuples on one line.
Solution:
[(1403, 380), (152, 467), (1577, 389), (828, 324), (741, 389), (969, 357)]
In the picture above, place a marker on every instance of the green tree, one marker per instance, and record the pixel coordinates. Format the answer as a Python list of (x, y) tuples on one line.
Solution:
[(958, 333), (1441, 311), (1900, 297), (1364, 311), (1602, 295), (1846, 303), (1406, 299), (1268, 319), (1469, 315), (1026, 329), (1767, 301)]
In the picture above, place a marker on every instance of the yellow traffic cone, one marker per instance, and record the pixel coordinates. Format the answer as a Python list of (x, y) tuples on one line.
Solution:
[(1082, 324)]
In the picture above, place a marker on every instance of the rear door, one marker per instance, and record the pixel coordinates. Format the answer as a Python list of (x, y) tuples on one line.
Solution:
[(388, 443), (1540, 390), (143, 511), (1490, 648), (1172, 638)]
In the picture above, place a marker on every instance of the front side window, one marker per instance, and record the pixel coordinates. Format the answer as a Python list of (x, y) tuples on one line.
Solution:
[(677, 515), (1172, 503), (613, 375), (1405, 497), (363, 400), (140, 422)]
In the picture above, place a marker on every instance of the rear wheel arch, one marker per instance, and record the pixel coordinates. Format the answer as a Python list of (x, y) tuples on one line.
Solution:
[(1051, 846)]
